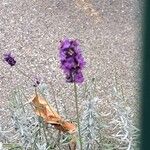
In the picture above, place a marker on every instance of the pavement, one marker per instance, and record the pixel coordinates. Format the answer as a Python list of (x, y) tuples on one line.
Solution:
[(109, 33)]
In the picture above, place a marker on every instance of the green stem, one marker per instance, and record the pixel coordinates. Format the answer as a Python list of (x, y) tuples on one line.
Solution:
[(25, 74), (22, 105), (44, 130), (116, 80), (35, 139), (122, 93), (39, 120), (94, 88), (77, 111)]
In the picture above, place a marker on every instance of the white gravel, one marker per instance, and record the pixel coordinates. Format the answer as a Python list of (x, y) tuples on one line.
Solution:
[(108, 30)]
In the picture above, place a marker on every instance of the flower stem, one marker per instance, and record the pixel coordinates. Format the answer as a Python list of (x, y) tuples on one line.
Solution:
[(24, 74), (22, 104), (44, 130), (77, 111)]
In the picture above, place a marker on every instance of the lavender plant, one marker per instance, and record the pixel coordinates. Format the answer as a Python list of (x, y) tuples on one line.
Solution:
[(72, 63), (119, 132), (27, 130), (92, 122), (20, 119), (108, 129), (126, 133), (90, 125)]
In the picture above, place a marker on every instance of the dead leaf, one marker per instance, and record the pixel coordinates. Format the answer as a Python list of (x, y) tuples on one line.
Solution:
[(49, 115)]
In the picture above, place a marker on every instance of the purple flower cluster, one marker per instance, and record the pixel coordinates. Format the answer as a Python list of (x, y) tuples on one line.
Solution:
[(72, 61), (9, 59)]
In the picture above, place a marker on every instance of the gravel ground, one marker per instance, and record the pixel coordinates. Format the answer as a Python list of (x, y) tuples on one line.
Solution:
[(108, 30)]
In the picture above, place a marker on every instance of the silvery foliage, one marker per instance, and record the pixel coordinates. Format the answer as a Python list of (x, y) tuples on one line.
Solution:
[(25, 130), (24, 123), (110, 128), (125, 133), (1, 146), (90, 126)]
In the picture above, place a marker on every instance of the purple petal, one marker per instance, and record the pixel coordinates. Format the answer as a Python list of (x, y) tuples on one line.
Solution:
[(79, 77), (71, 60), (9, 59), (65, 44)]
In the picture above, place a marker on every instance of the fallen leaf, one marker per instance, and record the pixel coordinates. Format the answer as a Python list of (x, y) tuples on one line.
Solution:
[(49, 115)]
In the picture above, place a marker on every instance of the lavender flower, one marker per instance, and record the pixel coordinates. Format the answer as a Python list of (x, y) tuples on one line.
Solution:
[(72, 61), (9, 59), (36, 82)]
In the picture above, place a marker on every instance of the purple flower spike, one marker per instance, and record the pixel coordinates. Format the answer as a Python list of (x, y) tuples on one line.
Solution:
[(37, 81), (72, 61), (9, 59)]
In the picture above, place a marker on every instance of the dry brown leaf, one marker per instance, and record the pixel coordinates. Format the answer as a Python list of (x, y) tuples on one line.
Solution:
[(49, 115)]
